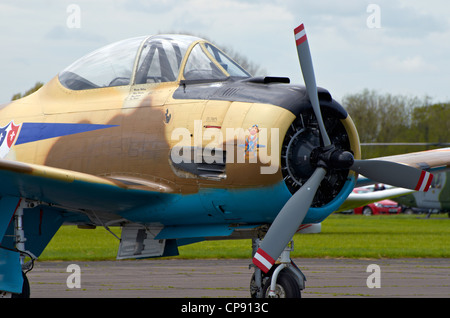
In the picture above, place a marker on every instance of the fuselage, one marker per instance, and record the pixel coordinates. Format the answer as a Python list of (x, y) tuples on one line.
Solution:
[(215, 146)]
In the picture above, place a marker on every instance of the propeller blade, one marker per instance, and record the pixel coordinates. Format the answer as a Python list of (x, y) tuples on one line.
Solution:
[(306, 65), (394, 174), (287, 222)]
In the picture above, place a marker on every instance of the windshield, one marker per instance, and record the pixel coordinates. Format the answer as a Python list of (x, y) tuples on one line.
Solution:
[(111, 65), (206, 62), (159, 59)]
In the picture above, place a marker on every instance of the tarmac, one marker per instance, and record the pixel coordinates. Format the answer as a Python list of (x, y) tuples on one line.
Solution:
[(230, 278)]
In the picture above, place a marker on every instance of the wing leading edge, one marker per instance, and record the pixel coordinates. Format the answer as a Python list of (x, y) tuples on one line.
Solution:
[(73, 190), (437, 160)]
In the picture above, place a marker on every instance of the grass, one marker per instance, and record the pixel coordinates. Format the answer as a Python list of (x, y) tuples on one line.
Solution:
[(385, 236), (348, 236), (71, 243)]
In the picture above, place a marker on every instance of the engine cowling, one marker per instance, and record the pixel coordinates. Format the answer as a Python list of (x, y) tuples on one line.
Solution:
[(302, 147)]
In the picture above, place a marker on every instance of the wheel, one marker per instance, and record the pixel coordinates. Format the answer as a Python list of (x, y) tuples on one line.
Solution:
[(367, 211), (286, 287), (25, 288), (408, 211)]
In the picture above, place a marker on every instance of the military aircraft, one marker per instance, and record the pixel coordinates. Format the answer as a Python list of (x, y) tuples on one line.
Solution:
[(437, 198), (169, 138)]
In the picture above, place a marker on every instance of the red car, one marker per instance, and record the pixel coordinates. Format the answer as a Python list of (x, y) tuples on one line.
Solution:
[(380, 207)]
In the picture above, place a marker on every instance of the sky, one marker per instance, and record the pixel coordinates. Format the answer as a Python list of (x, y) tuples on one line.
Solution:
[(401, 47)]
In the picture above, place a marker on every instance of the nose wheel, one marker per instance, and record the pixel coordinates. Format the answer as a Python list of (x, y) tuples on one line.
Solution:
[(284, 280)]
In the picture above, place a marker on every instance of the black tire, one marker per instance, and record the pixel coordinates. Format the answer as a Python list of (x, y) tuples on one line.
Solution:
[(25, 288), (287, 286), (408, 211), (367, 211)]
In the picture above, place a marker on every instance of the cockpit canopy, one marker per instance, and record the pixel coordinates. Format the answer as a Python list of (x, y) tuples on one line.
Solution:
[(151, 59)]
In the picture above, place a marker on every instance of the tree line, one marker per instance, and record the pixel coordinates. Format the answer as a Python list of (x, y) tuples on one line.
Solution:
[(387, 118), (28, 92)]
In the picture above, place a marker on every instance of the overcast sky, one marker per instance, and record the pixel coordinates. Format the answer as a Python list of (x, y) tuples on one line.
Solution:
[(398, 47)]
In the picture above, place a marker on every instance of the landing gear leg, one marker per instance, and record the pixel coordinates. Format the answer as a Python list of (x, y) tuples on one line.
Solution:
[(20, 246), (284, 280), (256, 283)]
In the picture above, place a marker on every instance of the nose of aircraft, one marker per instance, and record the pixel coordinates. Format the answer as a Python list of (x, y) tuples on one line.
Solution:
[(327, 158)]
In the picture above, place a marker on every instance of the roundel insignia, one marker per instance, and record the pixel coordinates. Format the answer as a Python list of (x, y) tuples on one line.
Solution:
[(8, 136)]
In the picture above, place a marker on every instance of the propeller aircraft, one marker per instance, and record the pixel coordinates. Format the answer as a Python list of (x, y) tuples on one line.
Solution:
[(173, 141), (437, 198)]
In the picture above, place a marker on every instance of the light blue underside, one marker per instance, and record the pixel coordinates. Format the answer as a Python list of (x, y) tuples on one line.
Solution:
[(11, 279), (211, 211)]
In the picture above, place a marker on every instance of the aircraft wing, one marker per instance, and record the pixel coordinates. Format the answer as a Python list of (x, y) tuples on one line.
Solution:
[(430, 160), (53, 197), (436, 160), (86, 199), (74, 191)]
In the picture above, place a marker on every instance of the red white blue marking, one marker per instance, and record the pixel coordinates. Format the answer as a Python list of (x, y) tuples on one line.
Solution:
[(13, 134)]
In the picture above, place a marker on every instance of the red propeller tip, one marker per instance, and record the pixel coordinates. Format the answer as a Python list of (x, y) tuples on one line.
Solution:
[(300, 34)]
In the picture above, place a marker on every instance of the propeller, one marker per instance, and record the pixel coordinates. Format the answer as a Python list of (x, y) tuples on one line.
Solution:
[(394, 174), (304, 55), (294, 211), (287, 222)]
